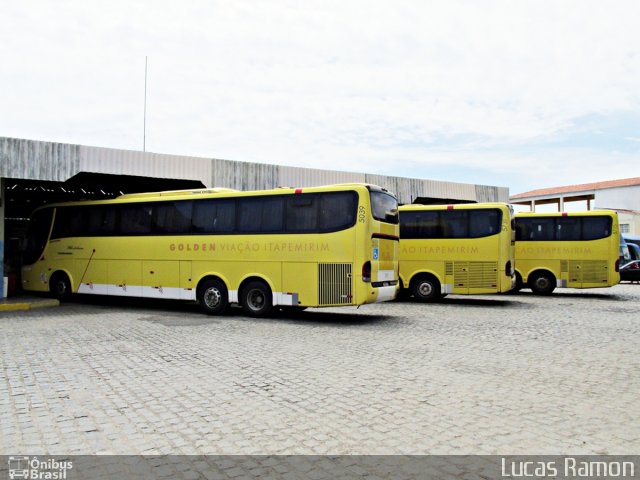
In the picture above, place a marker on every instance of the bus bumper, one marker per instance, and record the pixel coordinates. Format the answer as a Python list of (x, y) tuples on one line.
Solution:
[(386, 294)]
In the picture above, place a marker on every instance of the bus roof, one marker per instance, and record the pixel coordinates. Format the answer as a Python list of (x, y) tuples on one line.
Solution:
[(455, 206), (216, 193), (589, 213)]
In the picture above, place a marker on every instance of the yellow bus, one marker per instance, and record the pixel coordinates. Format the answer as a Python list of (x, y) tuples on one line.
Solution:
[(462, 249), (312, 247), (567, 250)]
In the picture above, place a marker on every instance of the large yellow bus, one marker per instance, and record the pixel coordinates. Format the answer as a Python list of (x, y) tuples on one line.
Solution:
[(461, 249), (567, 250), (312, 247)]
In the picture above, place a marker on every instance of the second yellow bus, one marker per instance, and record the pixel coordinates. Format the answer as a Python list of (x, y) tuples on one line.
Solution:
[(460, 249)]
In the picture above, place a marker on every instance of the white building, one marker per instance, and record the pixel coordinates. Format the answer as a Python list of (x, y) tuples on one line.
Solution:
[(621, 195)]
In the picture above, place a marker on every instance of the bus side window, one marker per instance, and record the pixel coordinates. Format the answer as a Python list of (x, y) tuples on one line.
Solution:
[(594, 228), (37, 233), (135, 219), (408, 224), (430, 225), (483, 223), (101, 221), (543, 229), (337, 210), (69, 222), (172, 217), (458, 223), (260, 214), (214, 216), (301, 213), (568, 228), (523, 229)]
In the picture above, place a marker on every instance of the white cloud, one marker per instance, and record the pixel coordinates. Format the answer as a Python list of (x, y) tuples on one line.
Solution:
[(353, 85)]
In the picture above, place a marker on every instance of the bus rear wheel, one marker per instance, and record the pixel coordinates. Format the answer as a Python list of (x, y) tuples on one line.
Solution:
[(542, 283), (213, 297), (60, 286), (426, 288), (256, 299)]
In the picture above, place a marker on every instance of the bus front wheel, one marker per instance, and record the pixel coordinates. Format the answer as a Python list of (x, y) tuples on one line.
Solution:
[(256, 299), (542, 283), (426, 288), (60, 286), (213, 297)]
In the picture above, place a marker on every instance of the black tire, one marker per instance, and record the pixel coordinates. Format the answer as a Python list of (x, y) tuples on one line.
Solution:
[(256, 299), (518, 286), (60, 286), (402, 294), (542, 283), (213, 296), (426, 288)]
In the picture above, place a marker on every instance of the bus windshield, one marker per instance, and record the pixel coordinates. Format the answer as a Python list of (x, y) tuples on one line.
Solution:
[(384, 207)]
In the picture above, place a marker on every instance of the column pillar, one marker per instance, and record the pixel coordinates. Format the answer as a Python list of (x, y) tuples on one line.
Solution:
[(3, 201)]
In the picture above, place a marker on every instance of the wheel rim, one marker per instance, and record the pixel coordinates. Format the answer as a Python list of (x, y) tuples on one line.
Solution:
[(212, 297), (61, 288), (425, 289), (542, 283), (255, 299)]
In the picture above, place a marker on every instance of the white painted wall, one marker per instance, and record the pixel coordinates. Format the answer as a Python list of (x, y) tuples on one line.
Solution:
[(625, 198)]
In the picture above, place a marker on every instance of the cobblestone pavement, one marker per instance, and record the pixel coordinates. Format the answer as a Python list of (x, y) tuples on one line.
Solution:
[(508, 374)]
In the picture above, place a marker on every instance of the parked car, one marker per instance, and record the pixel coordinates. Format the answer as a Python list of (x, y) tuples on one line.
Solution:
[(634, 251), (630, 272), (631, 239), (625, 256)]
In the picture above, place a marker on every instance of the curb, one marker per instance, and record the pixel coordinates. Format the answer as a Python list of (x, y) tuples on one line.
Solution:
[(23, 306)]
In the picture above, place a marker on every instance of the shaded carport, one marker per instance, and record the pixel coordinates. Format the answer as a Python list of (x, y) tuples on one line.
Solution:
[(22, 196)]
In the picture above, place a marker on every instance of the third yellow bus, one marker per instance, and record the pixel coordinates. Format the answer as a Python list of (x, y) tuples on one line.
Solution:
[(567, 250)]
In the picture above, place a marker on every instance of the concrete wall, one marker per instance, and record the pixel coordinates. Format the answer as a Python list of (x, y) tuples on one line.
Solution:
[(32, 160), (35, 160)]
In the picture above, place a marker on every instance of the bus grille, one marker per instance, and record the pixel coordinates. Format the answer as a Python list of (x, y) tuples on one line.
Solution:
[(448, 268), (475, 274), (588, 271), (334, 283)]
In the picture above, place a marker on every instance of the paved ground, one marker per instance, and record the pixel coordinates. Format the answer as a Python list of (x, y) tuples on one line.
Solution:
[(473, 375)]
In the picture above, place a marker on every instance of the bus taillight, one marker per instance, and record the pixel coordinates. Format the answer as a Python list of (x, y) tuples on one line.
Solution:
[(617, 265), (366, 272), (507, 268)]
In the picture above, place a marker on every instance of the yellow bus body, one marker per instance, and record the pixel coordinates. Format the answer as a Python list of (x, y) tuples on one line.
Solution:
[(544, 265), (301, 270), (464, 266)]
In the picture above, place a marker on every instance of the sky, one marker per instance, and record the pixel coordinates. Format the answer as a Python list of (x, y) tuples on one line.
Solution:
[(519, 94)]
